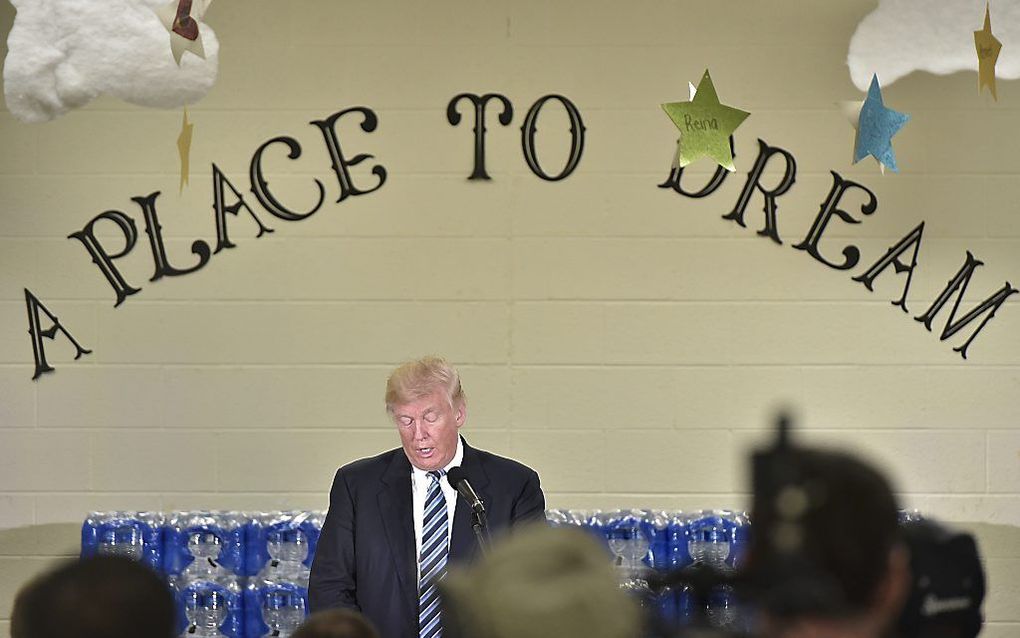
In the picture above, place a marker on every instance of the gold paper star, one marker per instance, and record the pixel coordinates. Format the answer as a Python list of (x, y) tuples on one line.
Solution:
[(705, 126), (676, 156), (180, 18), (184, 148), (988, 47)]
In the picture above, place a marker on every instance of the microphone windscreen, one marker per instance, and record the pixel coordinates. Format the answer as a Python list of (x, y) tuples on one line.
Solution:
[(455, 475)]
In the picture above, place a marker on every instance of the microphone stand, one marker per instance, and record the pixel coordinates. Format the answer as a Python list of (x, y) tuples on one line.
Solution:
[(480, 525), (459, 481)]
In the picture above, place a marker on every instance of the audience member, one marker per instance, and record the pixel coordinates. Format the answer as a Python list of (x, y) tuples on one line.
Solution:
[(541, 582), (336, 623), (827, 554), (98, 597)]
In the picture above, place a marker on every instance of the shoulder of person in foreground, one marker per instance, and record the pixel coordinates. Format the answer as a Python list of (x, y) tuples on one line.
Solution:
[(336, 623)]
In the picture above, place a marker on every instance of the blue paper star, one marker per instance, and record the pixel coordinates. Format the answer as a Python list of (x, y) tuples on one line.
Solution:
[(876, 127)]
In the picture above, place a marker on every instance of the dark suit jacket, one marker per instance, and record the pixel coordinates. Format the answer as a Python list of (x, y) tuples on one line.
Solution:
[(365, 558)]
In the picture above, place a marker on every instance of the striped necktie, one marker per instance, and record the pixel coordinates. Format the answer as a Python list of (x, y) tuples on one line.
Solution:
[(434, 550)]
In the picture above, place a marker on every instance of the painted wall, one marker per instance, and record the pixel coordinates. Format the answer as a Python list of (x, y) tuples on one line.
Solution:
[(625, 341)]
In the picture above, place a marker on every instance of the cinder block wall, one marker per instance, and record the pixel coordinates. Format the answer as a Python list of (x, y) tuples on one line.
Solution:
[(627, 342)]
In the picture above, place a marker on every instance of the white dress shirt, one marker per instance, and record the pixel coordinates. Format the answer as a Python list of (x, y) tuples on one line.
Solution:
[(419, 491)]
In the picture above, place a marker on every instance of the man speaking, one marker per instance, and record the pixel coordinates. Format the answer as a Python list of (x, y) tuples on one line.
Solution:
[(394, 520)]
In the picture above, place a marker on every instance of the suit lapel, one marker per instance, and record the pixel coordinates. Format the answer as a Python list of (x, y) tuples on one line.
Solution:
[(398, 525), (463, 545)]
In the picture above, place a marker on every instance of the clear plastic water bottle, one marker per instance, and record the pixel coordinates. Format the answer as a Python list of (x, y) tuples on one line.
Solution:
[(578, 518), (599, 523), (287, 545), (656, 527), (556, 517), (721, 609), (313, 528), (122, 540), (629, 546), (274, 606), (628, 541), (686, 607), (679, 557), (584, 520), (740, 543), (710, 544), (678, 539), (288, 549), (709, 540), (205, 545), (281, 546), (136, 535), (209, 607), (909, 516), (206, 607), (282, 542), (204, 560), (283, 611)]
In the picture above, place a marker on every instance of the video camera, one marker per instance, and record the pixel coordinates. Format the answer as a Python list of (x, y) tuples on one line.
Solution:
[(824, 525)]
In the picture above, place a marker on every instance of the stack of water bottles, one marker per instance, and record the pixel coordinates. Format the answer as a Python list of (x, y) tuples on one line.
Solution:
[(245, 575), (234, 574), (281, 548), (641, 542)]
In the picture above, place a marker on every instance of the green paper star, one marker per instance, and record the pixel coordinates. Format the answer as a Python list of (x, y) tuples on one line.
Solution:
[(705, 125)]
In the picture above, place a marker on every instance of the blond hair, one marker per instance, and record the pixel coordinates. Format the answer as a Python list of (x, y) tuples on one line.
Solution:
[(421, 377)]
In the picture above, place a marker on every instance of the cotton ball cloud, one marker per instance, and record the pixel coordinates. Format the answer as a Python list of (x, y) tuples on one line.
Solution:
[(902, 36), (64, 53)]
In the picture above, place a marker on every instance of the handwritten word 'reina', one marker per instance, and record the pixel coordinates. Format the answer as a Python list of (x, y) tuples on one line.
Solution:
[(703, 124)]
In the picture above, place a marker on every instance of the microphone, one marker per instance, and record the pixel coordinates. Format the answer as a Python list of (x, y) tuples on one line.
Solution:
[(459, 480)]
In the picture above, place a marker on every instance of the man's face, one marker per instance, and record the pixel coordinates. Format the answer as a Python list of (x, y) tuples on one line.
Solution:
[(428, 429)]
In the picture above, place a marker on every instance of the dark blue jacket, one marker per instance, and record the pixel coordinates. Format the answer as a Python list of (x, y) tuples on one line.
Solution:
[(365, 558)]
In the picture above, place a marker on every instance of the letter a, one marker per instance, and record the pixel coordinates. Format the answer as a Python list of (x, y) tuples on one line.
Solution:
[(960, 283), (34, 329)]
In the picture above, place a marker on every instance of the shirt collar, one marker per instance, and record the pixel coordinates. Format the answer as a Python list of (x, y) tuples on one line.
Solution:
[(458, 457)]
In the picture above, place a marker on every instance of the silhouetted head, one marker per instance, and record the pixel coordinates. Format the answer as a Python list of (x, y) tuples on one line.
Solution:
[(97, 597)]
